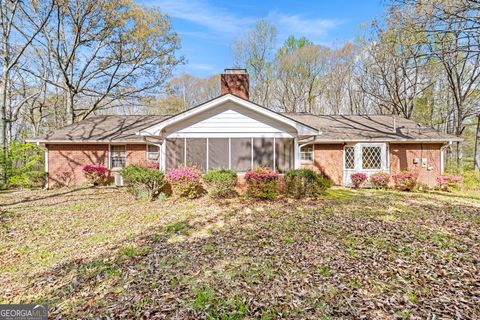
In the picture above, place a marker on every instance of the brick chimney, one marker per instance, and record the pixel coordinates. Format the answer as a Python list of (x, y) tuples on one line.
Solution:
[(235, 81)]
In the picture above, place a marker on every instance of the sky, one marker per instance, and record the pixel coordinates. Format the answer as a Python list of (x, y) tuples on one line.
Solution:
[(208, 28)]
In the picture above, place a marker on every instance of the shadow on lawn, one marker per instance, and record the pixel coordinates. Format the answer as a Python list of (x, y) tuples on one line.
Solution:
[(142, 277), (53, 194), (152, 276)]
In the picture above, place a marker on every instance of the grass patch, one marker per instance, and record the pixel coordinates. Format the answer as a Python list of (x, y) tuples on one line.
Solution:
[(91, 252)]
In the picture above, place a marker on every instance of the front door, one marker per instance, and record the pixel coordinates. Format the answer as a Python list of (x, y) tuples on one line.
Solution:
[(368, 158)]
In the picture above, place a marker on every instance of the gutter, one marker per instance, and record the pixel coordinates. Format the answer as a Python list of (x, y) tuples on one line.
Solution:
[(84, 141)]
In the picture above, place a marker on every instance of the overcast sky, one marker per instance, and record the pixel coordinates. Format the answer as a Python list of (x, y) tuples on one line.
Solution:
[(208, 28)]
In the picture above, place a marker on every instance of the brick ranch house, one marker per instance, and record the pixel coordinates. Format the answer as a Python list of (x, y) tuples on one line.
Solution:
[(232, 132)]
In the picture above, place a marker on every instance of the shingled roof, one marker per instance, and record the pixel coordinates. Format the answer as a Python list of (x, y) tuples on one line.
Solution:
[(346, 128), (102, 129), (350, 128)]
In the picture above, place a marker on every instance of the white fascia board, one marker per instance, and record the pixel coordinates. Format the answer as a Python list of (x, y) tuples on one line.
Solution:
[(230, 135), (403, 141), (156, 129)]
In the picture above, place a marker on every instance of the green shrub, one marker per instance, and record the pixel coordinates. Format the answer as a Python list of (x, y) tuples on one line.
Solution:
[(262, 183), (220, 183), (143, 182), (300, 183)]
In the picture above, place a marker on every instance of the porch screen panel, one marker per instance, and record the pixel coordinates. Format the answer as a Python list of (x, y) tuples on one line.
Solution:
[(218, 153), (241, 154), (175, 153), (263, 152), (197, 152), (284, 154)]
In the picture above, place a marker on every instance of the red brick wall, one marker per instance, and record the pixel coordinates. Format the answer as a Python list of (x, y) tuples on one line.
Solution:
[(402, 156), (65, 161), (328, 160), (136, 154)]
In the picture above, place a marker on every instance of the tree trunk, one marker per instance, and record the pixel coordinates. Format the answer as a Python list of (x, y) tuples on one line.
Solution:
[(477, 146), (3, 121), (460, 156), (70, 109)]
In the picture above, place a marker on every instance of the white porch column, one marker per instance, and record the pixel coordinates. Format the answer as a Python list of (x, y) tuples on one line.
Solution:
[(296, 153), (163, 158)]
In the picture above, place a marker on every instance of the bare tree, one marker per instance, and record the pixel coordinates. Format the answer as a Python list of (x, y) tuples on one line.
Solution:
[(20, 23), (299, 69), (451, 29), (477, 146), (107, 52), (394, 65), (255, 53)]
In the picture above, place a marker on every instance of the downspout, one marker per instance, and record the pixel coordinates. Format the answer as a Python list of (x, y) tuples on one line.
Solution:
[(442, 156), (160, 148)]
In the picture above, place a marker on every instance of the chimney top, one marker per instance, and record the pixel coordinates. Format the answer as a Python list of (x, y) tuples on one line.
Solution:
[(235, 71), (235, 81)]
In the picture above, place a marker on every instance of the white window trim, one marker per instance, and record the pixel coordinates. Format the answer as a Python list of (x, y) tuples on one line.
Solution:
[(345, 156)]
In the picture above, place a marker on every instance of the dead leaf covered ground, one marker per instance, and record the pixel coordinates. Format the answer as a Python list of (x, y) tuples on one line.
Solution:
[(98, 253)]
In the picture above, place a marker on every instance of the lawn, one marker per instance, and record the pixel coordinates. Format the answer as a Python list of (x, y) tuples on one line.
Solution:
[(93, 253)]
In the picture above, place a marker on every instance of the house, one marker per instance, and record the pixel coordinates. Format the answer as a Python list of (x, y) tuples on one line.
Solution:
[(232, 132)]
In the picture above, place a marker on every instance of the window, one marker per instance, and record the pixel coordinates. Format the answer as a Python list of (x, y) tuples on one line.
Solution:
[(283, 154), (371, 157), (153, 152), (349, 158), (306, 153), (117, 156)]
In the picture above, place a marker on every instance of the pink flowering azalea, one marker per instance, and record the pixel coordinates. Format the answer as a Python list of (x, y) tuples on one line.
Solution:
[(183, 173), (405, 180), (185, 182), (94, 168), (380, 180), (262, 183), (261, 173), (96, 174), (358, 179), (447, 182), (153, 165)]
